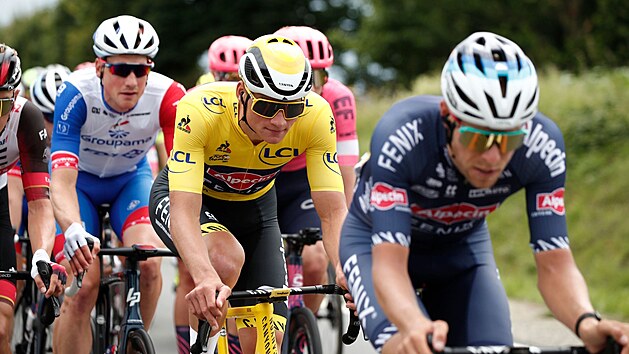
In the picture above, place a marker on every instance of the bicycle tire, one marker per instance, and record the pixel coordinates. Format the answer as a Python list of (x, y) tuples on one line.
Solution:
[(19, 343), (303, 332), (331, 324), (139, 342)]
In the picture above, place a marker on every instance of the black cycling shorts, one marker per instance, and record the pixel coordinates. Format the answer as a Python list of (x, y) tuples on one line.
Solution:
[(253, 223)]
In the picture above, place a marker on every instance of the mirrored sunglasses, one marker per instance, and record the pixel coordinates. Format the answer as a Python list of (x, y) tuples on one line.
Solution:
[(124, 69), (6, 104), (482, 140), (268, 108), (320, 77)]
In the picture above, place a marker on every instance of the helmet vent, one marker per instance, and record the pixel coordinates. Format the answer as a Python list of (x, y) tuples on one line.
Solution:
[(532, 98), (479, 63), (492, 105), (124, 43), (251, 75), (464, 97), (149, 44), (503, 84), (515, 104), (459, 60), (109, 42), (310, 50), (498, 55), (481, 41), (519, 61), (321, 51)]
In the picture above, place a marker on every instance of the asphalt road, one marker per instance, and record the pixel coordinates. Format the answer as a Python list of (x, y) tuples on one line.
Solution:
[(162, 331)]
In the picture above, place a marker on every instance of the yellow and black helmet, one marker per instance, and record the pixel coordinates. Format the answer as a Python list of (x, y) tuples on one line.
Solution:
[(276, 67)]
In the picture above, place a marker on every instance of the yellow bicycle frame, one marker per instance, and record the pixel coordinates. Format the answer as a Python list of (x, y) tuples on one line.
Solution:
[(262, 313)]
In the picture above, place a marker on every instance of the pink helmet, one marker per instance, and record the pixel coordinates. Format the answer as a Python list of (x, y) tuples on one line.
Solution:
[(225, 52), (315, 44)]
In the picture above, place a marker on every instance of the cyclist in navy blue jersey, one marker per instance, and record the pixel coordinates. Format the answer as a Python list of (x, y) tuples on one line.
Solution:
[(437, 167)]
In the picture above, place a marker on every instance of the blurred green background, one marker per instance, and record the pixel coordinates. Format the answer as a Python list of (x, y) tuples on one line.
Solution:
[(387, 50)]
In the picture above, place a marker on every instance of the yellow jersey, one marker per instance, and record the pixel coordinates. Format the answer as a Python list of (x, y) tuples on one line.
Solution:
[(212, 155)]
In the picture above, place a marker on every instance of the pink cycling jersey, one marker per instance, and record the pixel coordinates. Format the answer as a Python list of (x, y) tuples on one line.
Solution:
[(343, 106)]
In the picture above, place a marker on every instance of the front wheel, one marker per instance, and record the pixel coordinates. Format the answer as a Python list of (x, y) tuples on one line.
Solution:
[(139, 342), (303, 333)]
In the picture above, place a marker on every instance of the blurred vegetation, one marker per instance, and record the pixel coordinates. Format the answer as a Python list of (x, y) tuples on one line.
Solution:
[(591, 110), (377, 43)]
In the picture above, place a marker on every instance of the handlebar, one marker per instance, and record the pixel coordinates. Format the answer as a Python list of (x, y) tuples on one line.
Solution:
[(47, 313), (136, 252), (611, 348)]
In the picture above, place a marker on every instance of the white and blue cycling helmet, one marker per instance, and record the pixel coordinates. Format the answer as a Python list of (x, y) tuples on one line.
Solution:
[(490, 82)]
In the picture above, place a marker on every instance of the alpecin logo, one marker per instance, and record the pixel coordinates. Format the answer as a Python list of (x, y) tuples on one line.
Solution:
[(454, 213), (552, 201), (183, 124), (385, 197), (224, 147)]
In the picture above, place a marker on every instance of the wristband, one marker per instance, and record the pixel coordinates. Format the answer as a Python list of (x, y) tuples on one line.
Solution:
[(583, 316)]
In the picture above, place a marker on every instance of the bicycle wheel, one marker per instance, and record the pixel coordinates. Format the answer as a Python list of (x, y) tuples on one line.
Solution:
[(303, 333), (330, 319), (139, 342), (21, 340)]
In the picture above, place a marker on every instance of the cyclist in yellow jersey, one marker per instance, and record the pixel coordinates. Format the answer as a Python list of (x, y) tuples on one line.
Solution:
[(223, 56), (230, 143)]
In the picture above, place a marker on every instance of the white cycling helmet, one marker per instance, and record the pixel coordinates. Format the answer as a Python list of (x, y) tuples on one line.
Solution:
[(44, 88), (125, 35), (276, 67), (490, 82)]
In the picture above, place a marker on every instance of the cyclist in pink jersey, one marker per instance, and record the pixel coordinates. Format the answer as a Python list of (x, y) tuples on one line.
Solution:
[(295, 208)]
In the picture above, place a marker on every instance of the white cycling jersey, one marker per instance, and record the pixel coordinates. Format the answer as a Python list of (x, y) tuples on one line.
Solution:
[(92, 136)]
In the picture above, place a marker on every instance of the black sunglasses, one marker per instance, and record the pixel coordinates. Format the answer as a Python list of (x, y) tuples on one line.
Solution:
[(124, 69)]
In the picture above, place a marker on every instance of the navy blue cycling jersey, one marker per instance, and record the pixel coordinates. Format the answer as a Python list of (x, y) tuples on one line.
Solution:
[(410, 191)]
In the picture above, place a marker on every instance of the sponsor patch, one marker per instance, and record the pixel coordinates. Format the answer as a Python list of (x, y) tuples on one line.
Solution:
[(385, 197), (552, 201), (454, 213)]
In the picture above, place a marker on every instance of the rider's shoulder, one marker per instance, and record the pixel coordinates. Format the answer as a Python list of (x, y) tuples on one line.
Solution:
[(421, 109), (336, 88)]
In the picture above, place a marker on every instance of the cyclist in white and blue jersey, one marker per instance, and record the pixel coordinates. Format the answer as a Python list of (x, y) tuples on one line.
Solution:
[(438, 167), (106, 119)]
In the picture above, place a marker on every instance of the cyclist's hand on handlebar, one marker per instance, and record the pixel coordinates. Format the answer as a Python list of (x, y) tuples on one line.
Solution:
[(415, 339), (76, 249), (55, 281), (342, 282), (208, 301), (594, 336)]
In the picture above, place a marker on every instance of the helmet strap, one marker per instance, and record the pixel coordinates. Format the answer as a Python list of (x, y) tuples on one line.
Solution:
[(450, 124), (244, 111)]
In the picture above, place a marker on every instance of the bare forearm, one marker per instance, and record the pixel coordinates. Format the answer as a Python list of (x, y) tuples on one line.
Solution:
[(394, 288), (563, 287), (186, 234), (332, 211), (41, 225), (65, 202), (349, 178)]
